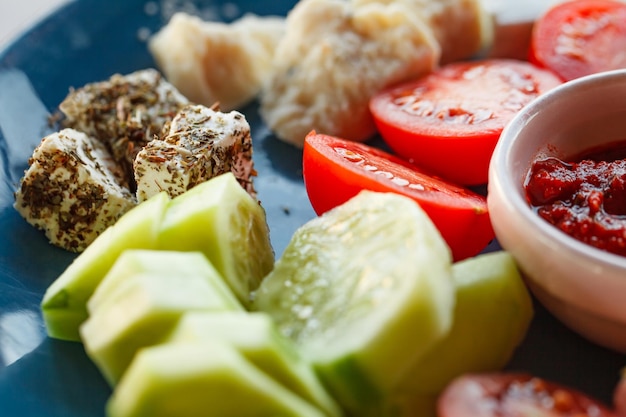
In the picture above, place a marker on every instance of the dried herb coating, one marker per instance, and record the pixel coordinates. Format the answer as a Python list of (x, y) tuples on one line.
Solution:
[(125, 140), (72, 190), (124, 112), (199, 144)]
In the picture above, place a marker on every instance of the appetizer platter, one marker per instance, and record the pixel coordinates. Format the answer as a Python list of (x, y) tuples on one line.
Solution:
[(88, 41)]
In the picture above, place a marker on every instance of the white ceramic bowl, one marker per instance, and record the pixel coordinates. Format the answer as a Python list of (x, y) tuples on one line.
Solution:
[(582, 286)]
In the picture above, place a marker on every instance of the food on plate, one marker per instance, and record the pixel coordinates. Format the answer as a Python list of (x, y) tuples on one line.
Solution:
[(333, 57), (364, 291), (584, 196), (207, 379), (131, 137), (317, 68), (123, 112), (134, 263), (256, 337), (64, 304), (140, 300), (513, 394), (462, 27), (72, 189), (213, 62), (578, 38), (364, 313), (492, 314), (198, 144), (461, 215), (218, 218), (450, 120)]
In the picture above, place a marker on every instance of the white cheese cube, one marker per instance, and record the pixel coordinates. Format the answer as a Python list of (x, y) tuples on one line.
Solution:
[(73, 190), (124, 112), (199, 144)]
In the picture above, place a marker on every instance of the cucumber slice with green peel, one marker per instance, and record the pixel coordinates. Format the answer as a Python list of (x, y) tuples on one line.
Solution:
[(220, 219), (492, 315), (205, 379), (144, 308), (159, 262), (255, 336), (364, 291), (64, 302)]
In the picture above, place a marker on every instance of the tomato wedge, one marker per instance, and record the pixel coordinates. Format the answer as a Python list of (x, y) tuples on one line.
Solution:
[(450, 120), (582, 37), (336, 169), (514, 395)]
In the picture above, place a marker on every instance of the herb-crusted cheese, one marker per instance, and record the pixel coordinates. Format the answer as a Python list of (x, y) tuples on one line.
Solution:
[(73, 189), (199, 144), (124, 112)]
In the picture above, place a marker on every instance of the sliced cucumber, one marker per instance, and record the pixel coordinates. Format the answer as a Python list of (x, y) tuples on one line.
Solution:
[(255, 336), (364, 291), (142, 309), (220, 219), (492, 315), (64, 302), (160, 262), (207, 379)]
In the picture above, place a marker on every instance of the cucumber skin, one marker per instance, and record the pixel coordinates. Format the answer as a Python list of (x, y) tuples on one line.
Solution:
[(255, 335), (151, 292), (205, 379), (202, 220), (493, 313), (414, 258), (64, 305)]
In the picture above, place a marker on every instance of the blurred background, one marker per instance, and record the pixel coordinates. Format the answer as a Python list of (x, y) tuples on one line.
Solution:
[(16, 16)]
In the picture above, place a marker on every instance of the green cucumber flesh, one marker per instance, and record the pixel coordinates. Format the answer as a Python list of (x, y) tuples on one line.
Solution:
[(160, 262), (364, 291), (492, 315), (220, 219), (206, 379), (142, 311), (64, 302), (255, 336)]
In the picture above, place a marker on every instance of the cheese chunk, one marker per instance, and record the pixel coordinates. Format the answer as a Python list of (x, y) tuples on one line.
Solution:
[(124, 112), (462, 27), (333, 58), (211, 62), (199, 144), (73, 190)]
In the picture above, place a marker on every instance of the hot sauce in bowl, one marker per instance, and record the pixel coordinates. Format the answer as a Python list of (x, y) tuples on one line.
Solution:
[(583, 286), (584, 197)]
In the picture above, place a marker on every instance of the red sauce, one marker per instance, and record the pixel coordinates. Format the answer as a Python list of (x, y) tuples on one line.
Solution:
[(585, 198)]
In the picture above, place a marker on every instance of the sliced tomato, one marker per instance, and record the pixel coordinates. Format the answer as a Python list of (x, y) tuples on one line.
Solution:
[(450, 120), (582, 37), (515, 395), (336, 169)]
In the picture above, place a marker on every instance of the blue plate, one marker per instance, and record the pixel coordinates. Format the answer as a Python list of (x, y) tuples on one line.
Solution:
[(89, 40)]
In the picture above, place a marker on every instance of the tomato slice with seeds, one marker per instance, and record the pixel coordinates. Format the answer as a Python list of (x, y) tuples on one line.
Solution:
[(515, 395), (450, 120), (582, 37), (336, 169)]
